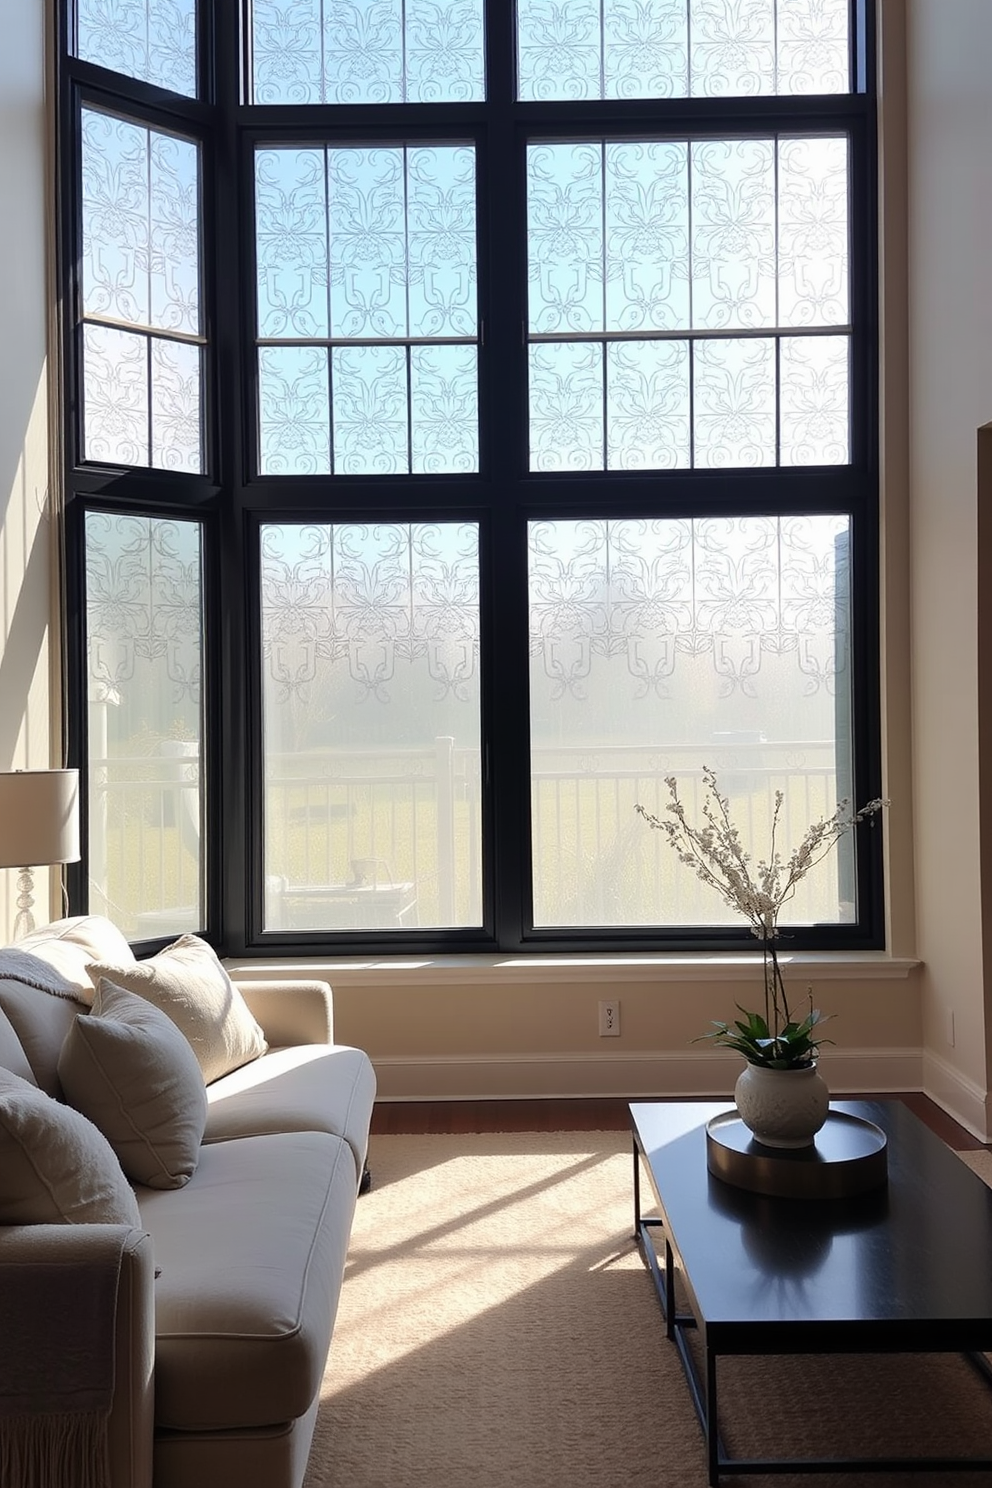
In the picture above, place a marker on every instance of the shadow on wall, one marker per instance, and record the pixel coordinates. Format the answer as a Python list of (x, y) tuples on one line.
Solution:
[(25, 606), (23, 643), (24, 478)]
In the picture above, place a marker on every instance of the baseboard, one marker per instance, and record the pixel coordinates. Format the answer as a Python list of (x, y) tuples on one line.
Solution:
[(960, 1097), (621, 1075)]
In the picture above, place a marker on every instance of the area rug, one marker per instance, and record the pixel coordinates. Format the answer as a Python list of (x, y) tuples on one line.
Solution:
[(497, 1329)]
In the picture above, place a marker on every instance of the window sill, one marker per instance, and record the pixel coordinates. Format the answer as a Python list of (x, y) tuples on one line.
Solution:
[(509, 970)]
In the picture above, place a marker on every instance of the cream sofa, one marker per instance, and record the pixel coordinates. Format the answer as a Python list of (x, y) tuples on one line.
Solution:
[(228, 1289)]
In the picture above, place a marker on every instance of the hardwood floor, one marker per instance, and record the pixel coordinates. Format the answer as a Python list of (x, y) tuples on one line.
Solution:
[(423, 1117)]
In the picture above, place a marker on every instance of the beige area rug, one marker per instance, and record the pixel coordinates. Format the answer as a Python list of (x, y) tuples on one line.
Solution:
[(497, 1329)]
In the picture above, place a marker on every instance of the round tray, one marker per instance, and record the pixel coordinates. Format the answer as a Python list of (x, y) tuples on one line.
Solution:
[(847, 1157)]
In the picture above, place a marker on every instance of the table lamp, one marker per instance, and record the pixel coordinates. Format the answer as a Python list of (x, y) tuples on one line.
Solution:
[(39, 826)]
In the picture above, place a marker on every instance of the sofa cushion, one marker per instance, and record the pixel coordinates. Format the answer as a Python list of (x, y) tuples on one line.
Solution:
[(55, 1166), (252, 1252), (127, 1067), (41, 1023), (188, 982), (12, 1055), (312, 1087), (56, 955)]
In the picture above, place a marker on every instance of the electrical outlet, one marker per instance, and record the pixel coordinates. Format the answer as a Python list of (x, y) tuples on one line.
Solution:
[(609, 1018)]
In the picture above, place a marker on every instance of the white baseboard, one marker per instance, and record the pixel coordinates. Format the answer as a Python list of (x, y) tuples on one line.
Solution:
[(622, 1075), (960, 1097)]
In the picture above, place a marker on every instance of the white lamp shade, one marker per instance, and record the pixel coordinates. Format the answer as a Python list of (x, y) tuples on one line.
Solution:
[(39, 818)]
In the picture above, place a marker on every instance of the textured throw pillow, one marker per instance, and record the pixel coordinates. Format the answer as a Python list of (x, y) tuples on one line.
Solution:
[(55, 1167), (128, 1068), (187, 981)]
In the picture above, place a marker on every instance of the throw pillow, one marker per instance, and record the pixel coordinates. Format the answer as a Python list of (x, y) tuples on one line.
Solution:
[(65, 950), (187, 981), (128, 1068), (55, 1167)]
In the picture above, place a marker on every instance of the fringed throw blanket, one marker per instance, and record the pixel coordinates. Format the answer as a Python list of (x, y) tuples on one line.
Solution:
[(57, 1322), (21, 966)]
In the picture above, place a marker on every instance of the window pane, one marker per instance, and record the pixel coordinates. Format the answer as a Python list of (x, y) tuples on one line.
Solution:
[(566, 406), (141, 295), (441, 249), (816, 400), (367, 51), (115, 397), (658, 647), (813, 232), (154, 40), (367, 245), (367, 242), (647, 236), (141, 257), (369, 397), (294, 396), (813, 46), (141, 400), (175, 399), (565, 241), (647, 414), (589, 49), (370, 698), (444, 406), (291, 242), (632, 242), (733, 234), (734, 415), (144, 635), (769, 238), (732, 51)]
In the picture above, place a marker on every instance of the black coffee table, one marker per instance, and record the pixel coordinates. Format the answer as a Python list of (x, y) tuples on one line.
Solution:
[(910, 1264)]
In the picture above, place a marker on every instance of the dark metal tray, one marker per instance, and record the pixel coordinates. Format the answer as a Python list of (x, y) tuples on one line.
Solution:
[(847, 1157)]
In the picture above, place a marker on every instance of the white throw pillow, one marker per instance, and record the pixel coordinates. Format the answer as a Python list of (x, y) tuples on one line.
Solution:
[(128, 1068), (187, 982), (68, 946), (55, 1167)]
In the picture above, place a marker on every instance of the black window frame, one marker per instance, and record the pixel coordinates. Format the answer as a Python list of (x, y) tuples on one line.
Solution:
[(232, 499)]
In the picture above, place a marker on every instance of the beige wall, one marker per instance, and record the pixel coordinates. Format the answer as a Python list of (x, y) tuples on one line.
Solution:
[(26, 533), (950, 329), (513, 1026)]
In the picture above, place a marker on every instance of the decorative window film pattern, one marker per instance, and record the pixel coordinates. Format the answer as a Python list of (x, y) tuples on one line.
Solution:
[(598, 49), (144, 638), (140, 295), (370, 638), (718, 235), (658, 647), (153, 40), (632, 243), (367, 51), (367, 310)]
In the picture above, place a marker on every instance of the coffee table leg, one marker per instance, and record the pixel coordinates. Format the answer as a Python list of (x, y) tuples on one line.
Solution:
[(710, 1424), (637, 1193)]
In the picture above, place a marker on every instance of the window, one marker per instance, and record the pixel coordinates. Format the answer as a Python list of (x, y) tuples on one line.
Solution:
[(469, 424), (367, 323), (144, 643), (688, 303), (140, 295)]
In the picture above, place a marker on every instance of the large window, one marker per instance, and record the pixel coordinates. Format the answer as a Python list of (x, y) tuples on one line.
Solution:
[(470, 423)]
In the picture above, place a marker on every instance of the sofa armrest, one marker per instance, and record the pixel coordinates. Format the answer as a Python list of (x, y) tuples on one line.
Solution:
[(291, 1012), (132, 1414)]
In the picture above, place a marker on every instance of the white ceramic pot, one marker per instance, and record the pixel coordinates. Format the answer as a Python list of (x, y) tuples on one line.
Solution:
[(782, 1108)]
